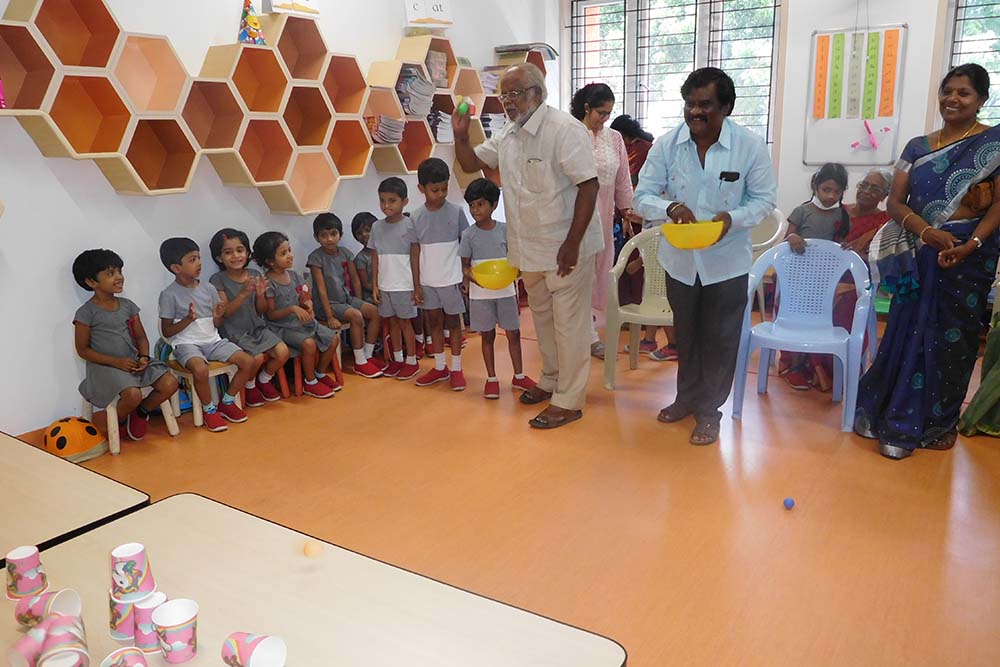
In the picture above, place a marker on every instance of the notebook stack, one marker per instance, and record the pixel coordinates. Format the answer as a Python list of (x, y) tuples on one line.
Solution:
[(385, 129), (416, 93)]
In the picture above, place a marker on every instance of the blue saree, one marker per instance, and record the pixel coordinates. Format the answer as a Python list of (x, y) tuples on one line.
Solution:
[(912, 395)]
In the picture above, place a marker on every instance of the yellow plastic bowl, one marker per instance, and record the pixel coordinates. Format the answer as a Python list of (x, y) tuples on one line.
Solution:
[(494, 273), (693, 236)]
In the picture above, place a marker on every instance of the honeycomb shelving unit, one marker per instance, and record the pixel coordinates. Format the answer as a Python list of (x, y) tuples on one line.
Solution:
[(404, 157), (309, 188), (81, 33), (345, 84), (518, 57), (468, 84), (260, 78), (350, 148), (90, 113), (476, 137), (308, 115), (491, 104), (418, 48), (300, 44), (25, 69), (150, 73), (214, 114), (159, 158)]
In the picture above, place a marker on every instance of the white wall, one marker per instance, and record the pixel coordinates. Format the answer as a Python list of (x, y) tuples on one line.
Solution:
[(59, 207)]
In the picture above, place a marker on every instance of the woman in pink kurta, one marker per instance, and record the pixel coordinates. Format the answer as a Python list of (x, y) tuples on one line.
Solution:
[(592, 105)]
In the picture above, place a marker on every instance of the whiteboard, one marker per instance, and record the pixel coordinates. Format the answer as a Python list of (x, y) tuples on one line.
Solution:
[(854, 95)]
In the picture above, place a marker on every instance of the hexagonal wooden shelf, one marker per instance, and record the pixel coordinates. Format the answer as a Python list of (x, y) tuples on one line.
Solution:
[(444, 101), (25, 70), (350, 147), (307, 115), (266, 150), (160, 159), (492, 104), (345, 84), (468, 84), (418, 48), (387, 73), (518, 57), (82, 33), (259, 76), (476, 137), (150, 72), (90, 113), (406, 156), (383, 102), (213, 113), (310, 187), (300, 44)]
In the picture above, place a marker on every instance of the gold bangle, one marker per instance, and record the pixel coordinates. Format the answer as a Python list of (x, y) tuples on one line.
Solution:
[(922, 232), (906, 217)]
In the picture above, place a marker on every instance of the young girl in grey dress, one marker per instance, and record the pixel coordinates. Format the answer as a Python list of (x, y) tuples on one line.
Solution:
[(109, 337), (290, 312), (242, 290)]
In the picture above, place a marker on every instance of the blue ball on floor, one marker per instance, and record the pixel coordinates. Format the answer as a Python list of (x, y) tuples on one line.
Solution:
[(788, 503)]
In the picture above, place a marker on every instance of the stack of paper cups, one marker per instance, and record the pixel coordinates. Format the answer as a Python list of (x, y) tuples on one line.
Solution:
[(25, 574), (131, 576), (145, 634)]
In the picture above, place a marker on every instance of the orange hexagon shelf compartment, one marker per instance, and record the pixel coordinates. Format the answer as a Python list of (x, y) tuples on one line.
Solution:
[(213, 114), (518, 57), (310, 189), (345, 84), (299, 42), (476, 136), (351, 148), (406, 156), (150, 73), (259, 77), (90, 113), (82, 33), (442, 68), (468, 84), (25, 70), (307, 115), (162, 155), (266, 151)]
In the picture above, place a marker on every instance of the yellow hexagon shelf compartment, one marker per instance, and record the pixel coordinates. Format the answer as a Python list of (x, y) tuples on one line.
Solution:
[(300, 44), (468, 84), (350, 147), (82, 33), (213, 114), (308, 115), (25, 69), (150, 72), (345, 84)]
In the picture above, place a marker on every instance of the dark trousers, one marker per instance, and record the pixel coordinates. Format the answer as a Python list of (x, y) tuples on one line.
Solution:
[(707, 320)]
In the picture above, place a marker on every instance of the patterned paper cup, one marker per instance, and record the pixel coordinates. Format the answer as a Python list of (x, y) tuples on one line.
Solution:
[(25, 574), (65, 643), (145, 634), (125, 657), (131, 576), (29, 612), (176, 624), (242, 649), (28, 649), (121, 621)]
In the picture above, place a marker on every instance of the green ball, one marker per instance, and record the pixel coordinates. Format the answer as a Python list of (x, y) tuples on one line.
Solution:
[(463, 108)]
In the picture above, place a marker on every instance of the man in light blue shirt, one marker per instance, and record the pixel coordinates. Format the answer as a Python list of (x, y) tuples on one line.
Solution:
[(710, 168)]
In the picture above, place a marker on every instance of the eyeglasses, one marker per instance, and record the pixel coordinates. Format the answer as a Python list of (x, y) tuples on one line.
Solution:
[(512, 95), (864, 185), (602, 114)]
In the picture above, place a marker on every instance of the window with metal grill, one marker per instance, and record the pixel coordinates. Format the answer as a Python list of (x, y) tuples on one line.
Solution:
[(977, 40), (644, 49)]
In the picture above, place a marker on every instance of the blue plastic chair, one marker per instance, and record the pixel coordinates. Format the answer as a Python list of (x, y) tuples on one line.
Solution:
[(804, 322)]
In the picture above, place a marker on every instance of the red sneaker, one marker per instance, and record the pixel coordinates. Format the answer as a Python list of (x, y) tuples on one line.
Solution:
[(419, 351), (665, 353), (337, 384), (392, 370), (328, 380), (407, 371), (378, 363), (255, 398), (492, 389), (367, 370), (797, 380), (232, 412), (318, 390), (135, 426), (433, 376), (525, 383), (269, 391), (214, 422), (457, 379)]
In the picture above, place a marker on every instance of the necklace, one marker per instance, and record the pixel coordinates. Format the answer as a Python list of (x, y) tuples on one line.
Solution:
[(941, 143)]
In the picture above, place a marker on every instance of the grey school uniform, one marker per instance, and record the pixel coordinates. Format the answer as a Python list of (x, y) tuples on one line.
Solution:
[(815, 223), (487, 307), (245, 327), (110, 334), (392, 241), (290, 329), (336, 278), (439, 233), (363, 260), (200, 339)]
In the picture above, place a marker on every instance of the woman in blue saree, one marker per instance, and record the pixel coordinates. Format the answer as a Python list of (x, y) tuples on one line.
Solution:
[(938, 257)]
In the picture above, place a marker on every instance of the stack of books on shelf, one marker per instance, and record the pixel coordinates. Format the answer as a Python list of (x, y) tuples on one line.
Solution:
[(493, 122), (385, 129), (490, 78), (437, 67), (416, 93), (440, 123)]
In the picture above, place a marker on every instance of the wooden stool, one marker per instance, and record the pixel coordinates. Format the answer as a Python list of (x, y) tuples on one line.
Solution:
[(111, 413), (215, 369)]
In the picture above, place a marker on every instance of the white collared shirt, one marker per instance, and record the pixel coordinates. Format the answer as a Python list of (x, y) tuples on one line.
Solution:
[(673, 173), (541, 165)]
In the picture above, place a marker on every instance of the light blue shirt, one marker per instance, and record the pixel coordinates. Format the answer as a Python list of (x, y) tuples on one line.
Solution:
[(673, 173)]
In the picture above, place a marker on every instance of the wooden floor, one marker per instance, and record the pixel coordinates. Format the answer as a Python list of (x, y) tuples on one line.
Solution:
[(683, 554)]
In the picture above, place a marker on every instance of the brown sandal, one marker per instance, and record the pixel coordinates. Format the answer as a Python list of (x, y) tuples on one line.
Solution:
[(545, 420), (673, 413), (705, 433), (534, 396)]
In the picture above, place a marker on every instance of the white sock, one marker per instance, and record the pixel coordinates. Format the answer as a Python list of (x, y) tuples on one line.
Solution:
[(439, 361), (518, 376), (492, 379), (251, 384), (369, 350), (397, 356), (320, 375), (411, 361), (313, 381), (265, 377), (446, 333), (419, 337), (456, 362), (359, 357)]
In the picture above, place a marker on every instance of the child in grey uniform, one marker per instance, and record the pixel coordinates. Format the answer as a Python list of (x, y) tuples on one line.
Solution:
[(439, 225), (242, 291), (190, 312), (361, 228), (109, 337), (484, 241)]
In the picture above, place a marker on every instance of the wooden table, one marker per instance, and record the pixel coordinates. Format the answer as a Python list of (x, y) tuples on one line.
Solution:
[(45, 500), (338, 608)]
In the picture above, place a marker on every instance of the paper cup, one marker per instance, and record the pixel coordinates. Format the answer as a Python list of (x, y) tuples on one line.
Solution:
[(29, 612), (145, 634), (25, 574), (65, 643), (121, 619), (176, 624), (126, 657), (27, 649), (131, 576), (242, 649)]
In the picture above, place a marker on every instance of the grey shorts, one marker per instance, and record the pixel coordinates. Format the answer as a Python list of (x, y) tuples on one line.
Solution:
[(447, 298), (397, 304), (222, 350), (486, 314), (340, 309)]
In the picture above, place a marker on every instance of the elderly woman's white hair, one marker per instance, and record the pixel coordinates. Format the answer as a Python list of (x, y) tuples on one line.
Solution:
[(533, 78), (885, 174)]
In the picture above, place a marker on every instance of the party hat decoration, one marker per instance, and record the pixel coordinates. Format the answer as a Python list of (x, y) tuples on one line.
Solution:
[(250, 32)]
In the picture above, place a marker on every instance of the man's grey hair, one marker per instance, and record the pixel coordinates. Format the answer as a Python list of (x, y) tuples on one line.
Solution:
[(533, 78), (886, 175)]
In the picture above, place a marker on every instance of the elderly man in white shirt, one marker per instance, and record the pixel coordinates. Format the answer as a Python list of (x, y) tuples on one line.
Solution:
[(546, 162), (710, 168)]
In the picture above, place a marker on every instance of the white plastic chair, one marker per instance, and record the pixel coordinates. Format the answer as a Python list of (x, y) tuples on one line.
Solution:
[(654, 309), (111, 412), (769, 233), (805, 321)]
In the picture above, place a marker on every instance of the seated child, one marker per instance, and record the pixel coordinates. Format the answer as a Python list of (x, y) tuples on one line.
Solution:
[(361, 228), (395, 278), (109, 337), (439, 225), (242, 292), (190, 311), (290, 311), (486, 240), (336, 281)]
